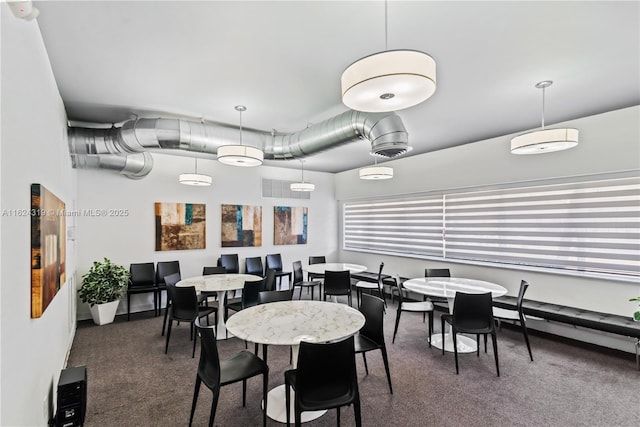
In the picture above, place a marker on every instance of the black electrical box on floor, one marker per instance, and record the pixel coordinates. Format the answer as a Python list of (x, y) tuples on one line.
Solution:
[(72, 397)]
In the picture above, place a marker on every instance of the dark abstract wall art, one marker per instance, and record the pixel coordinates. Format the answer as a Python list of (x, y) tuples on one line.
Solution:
[(289, 225), (241, 226), (180, 226)]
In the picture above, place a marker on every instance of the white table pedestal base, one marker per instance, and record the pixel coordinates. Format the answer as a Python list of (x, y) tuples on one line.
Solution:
[(465, 344), (277, 403)]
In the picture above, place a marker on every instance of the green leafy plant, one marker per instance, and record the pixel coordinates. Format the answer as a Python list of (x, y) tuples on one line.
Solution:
[(636, 315), (105, 282)]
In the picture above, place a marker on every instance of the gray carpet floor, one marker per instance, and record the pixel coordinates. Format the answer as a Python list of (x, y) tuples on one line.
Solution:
[(131, 382)]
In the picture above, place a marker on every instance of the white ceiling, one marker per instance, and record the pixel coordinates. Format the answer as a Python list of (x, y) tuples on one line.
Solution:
[(283, 60)]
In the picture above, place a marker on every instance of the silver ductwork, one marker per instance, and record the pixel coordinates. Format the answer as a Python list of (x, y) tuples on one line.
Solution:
[(127, 149)]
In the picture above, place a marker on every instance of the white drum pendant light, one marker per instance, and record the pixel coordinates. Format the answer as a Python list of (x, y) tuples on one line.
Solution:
[(376, 172), (302, 185), (390, 80), (544, 140), (240, 155), (195, 178)]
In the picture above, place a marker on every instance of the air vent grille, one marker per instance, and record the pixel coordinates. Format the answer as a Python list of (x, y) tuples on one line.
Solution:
[(279, 189)]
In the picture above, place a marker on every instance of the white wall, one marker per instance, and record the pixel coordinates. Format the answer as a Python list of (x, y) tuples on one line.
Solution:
[(131, 238), (33, 150), (608, 142)]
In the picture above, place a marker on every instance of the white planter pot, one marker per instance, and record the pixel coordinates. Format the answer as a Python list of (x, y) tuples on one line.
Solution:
[(104, 313)]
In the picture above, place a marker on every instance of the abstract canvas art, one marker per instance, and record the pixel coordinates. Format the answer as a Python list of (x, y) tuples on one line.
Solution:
[(48, 248), (241, 226), (289, 225), (180, 226)]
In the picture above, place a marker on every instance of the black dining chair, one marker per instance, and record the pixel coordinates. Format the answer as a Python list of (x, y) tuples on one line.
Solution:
[(142, 280), (270, 280), (472, 314), (337, 283), (441, 302), (424, 307), (298, 280), (515, 315), (253, 265), (371, 335), (325, 378), (230, 263), (316, 260), (216, 373), (274, 261), (163, 269), (249, 298), (266, 297), (377, 287), (208, 271), (185, 308)]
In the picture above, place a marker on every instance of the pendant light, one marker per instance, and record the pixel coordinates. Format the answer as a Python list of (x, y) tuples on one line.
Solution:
[(544, 140), (376, 172), (302, 185), (196, 178), (390, 80), (240, 155)]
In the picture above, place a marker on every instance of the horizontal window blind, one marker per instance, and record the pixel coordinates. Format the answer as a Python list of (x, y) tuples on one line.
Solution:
[(403, 226), (586, 226)]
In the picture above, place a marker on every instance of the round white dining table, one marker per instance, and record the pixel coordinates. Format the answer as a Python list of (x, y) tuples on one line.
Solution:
[(334, 266), (220, 283), (288, 323), (448, 287)]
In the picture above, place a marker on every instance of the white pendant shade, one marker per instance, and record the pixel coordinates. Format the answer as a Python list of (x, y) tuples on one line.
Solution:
[(195, 179), (240, 155), (302, 186), (544, 141), (376, 172), (389, 81)]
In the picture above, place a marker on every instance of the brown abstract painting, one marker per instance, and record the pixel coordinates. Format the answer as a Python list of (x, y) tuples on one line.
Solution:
[(180, 226), (289, 225), (241, 225), (48, 248)]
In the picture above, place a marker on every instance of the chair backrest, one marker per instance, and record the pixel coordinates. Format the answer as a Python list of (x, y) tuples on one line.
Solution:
[(298, 277), (172, 279), (142, 274), (184, 304), (253, 265), (209, 364), (437, 272), (372, 308), (165, 268), (265, 297), (230, 262), (523, 288), (326, 371), (317, 260), (401, 291), (270, 280), (206, 271), (473, 309), (337, 282), (274, 261), (250, 293)]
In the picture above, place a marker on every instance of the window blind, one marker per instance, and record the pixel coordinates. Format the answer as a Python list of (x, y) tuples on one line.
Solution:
[(586, 226), (403, 226)]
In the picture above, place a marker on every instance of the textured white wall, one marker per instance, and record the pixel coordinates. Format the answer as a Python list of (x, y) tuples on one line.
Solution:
[(34, 150)]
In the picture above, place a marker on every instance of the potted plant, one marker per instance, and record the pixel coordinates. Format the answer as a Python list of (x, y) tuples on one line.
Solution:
[(102, 288), (636, 315)]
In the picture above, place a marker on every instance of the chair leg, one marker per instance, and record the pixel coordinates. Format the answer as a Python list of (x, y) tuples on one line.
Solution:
[(195, 338), (214, 405), (385, 359), (356, 411), (455, 348), (166, 346), (287, 401), (430, 329), (338, 415), (366, 368), (395, 329), (244, 393), (523, 325), (166, 310), (265, 393), (495, 350), (478, 344), (442, 332), (195, 399), (358, 293)]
